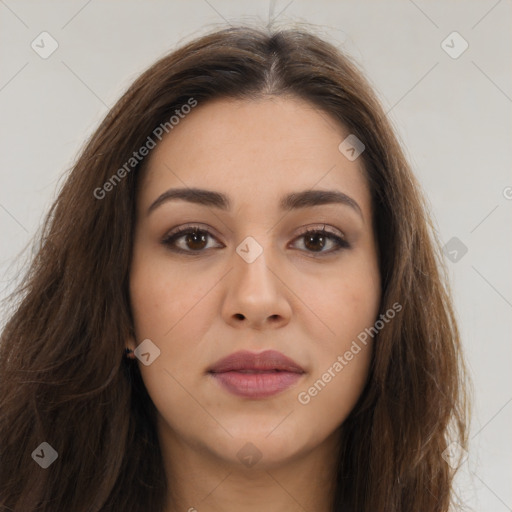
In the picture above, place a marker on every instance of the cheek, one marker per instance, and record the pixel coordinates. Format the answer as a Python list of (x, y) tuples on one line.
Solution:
[(172, 307), (160, 297), (348, 305), (341, 361), (166, 304), (331, 394), (344, 301)]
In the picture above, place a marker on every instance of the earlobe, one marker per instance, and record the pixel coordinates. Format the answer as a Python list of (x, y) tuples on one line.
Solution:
[(128, 353), (129, 348)]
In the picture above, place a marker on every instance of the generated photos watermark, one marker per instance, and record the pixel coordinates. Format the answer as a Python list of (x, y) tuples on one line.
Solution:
[(144, 150), (304, 397)]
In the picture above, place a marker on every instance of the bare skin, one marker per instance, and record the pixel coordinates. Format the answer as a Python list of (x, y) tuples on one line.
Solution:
[(298, 297)]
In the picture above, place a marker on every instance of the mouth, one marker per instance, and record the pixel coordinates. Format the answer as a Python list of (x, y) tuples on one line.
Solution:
[(256, 375)]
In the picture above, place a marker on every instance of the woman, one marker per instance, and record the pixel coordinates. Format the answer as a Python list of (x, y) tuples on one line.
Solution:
[(244, 228)]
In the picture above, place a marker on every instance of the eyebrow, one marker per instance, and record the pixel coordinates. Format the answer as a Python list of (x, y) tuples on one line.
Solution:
[(293, 201)]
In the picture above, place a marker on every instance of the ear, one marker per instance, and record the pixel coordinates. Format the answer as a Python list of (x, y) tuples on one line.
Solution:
[(132, 345)]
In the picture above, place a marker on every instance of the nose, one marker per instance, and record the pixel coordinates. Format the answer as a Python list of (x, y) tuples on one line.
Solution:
[(256, 295)]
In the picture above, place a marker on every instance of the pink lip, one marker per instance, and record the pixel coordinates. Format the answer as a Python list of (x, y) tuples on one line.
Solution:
[(256, 375)]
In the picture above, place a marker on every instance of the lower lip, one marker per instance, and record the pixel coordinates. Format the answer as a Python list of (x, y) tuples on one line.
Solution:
[(256, 385)]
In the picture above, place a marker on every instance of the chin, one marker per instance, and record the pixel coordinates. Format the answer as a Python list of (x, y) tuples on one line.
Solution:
[(261, 447)]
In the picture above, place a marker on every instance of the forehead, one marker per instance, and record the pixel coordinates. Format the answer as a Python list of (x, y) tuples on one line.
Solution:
[(255, 151)]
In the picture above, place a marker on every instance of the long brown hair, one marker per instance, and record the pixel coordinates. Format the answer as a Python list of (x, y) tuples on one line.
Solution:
[(62, 376)]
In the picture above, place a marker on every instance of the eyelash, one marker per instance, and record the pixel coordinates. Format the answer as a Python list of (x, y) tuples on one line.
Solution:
[(171, 238)]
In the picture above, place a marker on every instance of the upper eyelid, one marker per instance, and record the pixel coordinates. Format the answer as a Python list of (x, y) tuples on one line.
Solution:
[(323, 225), (182, 230), (212, 232)]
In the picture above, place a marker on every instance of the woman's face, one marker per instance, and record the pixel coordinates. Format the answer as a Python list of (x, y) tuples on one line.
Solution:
[(250, 280)]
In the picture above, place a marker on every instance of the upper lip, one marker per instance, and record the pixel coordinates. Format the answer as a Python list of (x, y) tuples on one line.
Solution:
[(262, 361)]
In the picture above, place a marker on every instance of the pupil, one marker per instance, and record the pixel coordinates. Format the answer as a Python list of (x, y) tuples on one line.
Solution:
[(310, 238), (194, 237)]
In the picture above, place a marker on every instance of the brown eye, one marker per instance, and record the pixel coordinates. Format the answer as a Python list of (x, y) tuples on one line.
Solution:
[(188, 240), (193, 239), (316, 240)]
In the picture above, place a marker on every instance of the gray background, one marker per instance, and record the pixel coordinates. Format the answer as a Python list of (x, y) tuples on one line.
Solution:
[(452, 115)]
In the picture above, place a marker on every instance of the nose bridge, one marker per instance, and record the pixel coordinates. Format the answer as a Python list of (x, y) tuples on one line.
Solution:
[(251, 261), (255, 293)]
